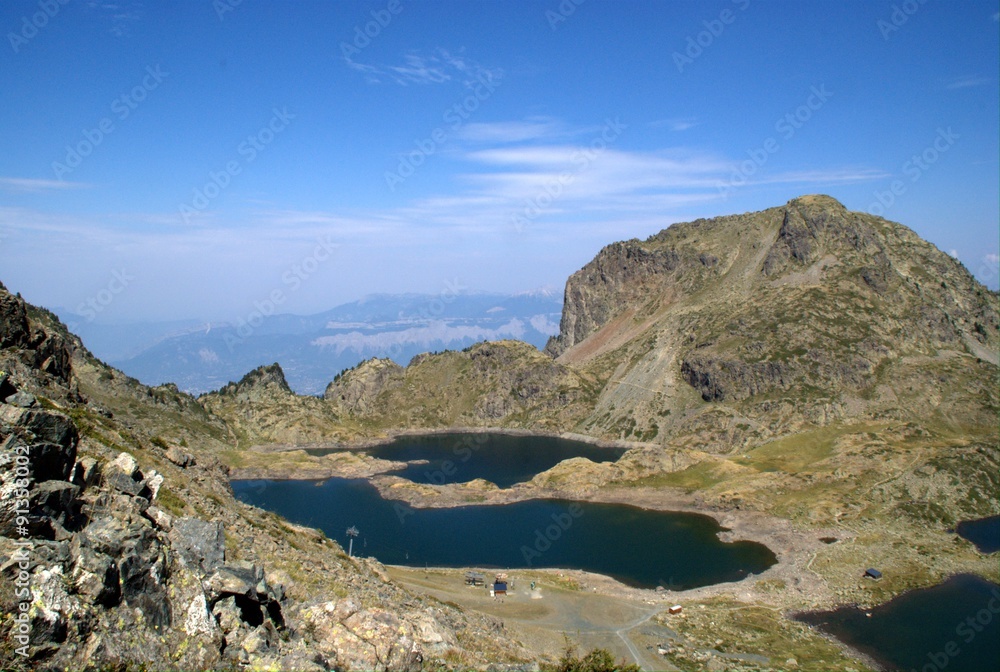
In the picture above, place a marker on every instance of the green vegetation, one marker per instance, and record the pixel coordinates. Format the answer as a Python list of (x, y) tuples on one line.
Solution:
[(698, 476), (731, 627), (598, 660)]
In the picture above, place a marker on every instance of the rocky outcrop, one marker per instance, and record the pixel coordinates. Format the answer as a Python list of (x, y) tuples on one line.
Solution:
[(105, 576), (355, 390), (122, 547), (730, 379), (262, 382), (487, 384), (620, 276), (33, 347)]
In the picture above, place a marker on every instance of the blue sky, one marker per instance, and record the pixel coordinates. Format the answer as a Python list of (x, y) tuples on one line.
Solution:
[(200, 159)]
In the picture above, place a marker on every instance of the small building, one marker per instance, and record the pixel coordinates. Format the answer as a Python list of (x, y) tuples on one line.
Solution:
[(499, 588), (676, 609), (873, 573), (475, 579)]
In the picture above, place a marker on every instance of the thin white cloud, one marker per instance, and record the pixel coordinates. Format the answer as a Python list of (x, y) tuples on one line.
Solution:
[(509, 131), (542, 324), (828, 176), (437, 332), (438, 68), (966, 82), (992, 259), (675, 125), (32, 185)]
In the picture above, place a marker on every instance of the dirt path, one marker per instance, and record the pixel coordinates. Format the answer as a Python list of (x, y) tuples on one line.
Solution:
[(561, 609)]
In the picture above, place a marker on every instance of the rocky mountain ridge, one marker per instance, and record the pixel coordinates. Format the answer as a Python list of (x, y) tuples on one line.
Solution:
[(121, 545), (715, 333)]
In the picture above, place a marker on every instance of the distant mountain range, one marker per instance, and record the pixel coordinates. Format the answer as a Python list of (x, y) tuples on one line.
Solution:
[(313, 349)]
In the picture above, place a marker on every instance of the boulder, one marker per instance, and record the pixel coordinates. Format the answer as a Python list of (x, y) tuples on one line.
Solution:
[(153, 482), (21, 399), (53, 501), (160, 518), (200, 544), (122, 482), (232, 580), (179, 457), (95, 576), (198, 619), (126, 464), (86, 472)]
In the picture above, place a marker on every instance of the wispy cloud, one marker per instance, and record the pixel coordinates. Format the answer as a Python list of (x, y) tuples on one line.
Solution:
[(676, 125), (828, 176), (437, 332), (32, 185), (437, 68), (505, 132), (966, 82)]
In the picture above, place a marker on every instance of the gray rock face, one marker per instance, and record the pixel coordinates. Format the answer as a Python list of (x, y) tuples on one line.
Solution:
[(620, 275), (355, 390), (720, 380), (201, 544)]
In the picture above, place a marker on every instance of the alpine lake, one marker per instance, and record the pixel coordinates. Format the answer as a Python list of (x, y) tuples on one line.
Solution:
[(953, 626), (639, 547)]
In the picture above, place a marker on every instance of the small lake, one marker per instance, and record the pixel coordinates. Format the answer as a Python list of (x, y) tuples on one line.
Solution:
[(502, 459), (984, 533), (954, 626), (636, 546)]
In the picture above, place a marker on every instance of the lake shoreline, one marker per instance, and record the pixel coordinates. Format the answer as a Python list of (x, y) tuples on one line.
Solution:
[(794, 546), (392, 435)]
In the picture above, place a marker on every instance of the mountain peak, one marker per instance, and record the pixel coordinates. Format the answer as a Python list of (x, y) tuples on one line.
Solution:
[(821, 200), (263, 378)]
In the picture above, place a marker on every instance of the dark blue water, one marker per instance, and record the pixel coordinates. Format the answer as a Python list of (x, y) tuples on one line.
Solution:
[(984, 533), (638, 547), (499, 458), (954, 626)]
